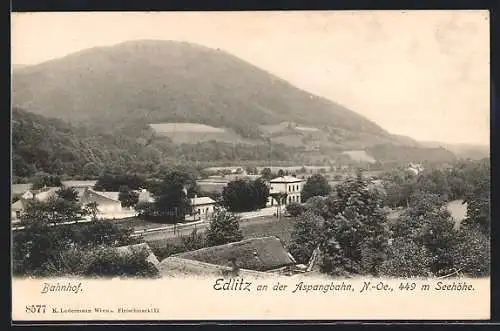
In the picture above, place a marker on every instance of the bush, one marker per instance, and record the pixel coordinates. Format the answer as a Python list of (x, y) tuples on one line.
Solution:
[(224, 228), (107, 262), (472, 253), (406, 259), (294, 209), (305, 236)]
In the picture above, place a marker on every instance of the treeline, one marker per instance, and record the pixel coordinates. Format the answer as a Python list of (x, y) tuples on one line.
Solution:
[(350, 230), (406, 154), (41, 144), (458, 181)]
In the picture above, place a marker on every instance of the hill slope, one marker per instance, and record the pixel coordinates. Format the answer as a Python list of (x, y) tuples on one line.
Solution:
[(166, 81), (41, 144)]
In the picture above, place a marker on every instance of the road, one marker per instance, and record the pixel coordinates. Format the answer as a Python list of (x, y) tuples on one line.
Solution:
[(249, 218)]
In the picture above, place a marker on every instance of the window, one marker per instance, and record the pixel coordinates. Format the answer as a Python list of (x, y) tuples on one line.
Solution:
[(289, 199), (289, 188)]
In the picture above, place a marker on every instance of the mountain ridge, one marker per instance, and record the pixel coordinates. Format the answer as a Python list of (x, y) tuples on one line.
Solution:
[(174, 82)]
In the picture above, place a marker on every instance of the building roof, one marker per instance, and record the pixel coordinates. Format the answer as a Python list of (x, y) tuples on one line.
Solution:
[(174, 266), (260, 254), (202, 201), (107, 196), (18, 205), (110, 195), (125, 250), (79, 183), (46, 193), (20, 188), (286, 179)]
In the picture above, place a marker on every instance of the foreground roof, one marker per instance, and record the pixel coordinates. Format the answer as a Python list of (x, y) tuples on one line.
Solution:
[(125, 250), (261, 254), (174, 266)]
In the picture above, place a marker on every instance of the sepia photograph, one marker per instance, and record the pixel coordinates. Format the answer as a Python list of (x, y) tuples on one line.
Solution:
[(215, 148)]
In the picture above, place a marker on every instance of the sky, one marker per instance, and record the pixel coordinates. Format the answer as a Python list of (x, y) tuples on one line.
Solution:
[(424, 74)]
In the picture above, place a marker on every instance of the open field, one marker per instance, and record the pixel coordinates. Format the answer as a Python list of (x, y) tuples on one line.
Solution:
[(192, 133), (251, 228)]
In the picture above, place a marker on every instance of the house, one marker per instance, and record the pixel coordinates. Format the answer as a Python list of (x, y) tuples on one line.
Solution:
[(43, 195), (16, 209), (107, 202), (289, 185), (265, 254), (203, 208), (415, 168), (144, 195)]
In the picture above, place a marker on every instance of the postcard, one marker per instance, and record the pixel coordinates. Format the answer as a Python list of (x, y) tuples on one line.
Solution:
[(291, 165)]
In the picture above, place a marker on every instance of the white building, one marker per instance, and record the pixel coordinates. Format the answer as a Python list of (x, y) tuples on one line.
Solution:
[(108, 204), (203, 208), (42, 195), (292, 186), (415, 168)]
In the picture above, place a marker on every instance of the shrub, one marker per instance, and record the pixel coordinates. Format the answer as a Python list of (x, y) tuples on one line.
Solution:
[(294, 209), (406, 259)]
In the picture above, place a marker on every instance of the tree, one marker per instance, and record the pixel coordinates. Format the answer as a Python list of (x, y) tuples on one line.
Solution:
[(243, 195), (281, 173), (305, 236), (37, 249), (406, 259), (428, 225), (471, 252), (266, 173), (478, 198), (54, 210), (111, 181), (68, 194), (92, 209), (127, 197), (316, 185), (316, 205), (251, 170), (171, 201), (224, 228), (355, 236), (193, 241), (294, 209), (41, 180)]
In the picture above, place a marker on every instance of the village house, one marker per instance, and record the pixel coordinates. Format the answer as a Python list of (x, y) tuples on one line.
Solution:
[(203, 208), (108, 204), (289, 185), (18, 207), (415, 168)]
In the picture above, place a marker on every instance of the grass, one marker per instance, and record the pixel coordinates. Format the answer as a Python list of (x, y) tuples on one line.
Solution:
[(138, 224)]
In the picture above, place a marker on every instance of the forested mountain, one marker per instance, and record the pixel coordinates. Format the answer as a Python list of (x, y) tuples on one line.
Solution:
[(41, 144), (116, 107), (167, 81)]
